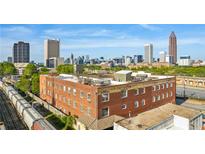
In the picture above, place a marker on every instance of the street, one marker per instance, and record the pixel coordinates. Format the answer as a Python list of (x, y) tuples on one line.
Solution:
[(190, 92)]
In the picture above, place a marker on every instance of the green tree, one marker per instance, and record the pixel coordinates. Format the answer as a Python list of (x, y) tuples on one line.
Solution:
[(7, 69), (30, 70), (67, 69), (35, 83), (24, 84), (44, 70)]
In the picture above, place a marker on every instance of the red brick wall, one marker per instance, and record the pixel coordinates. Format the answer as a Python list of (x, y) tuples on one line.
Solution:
[(116, 101), (62, 104)]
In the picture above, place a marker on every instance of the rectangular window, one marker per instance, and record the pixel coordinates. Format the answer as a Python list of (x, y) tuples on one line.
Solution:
[(136, 91), (167, 95), (88, 111), (153, 99), (171, 84), (162, 96), (158, 98), (167, 85), (123, 93), (81, 108), (170, 93), (64, 88), (162, 86), (74, 92), (105, 96), (89, 97), (158, 87), (153, 88), (105, 112), (136, 104), (81, 94), (124, 106), (74, 104), (69, 102), (143, 102), (69, 90), (142, 90)]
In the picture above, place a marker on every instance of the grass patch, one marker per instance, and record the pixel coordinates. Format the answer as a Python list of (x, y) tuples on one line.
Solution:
[(61, 122)]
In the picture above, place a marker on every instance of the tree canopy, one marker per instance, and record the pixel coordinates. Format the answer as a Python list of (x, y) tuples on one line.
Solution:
[(67, 69), (30, 70), (7, 69)]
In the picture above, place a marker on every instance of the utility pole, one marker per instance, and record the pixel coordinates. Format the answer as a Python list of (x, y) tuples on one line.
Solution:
[(184, 88)]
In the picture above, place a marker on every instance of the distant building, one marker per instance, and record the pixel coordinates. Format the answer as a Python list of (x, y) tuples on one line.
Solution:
[(137, 59), (128, 60), (9, 59), (20, 67), (54, 62), (148, 53), (118, 61), (72, 59), (185, 61), (165, 117), (21, 52), (51, 49), (169, 59), (162, 57), (173, 47)]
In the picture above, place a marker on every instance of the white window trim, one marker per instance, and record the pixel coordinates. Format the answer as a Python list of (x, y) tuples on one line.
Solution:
[(144, 102), (154, 88), (126, 93), (107, 113), (137, 104), (88, 99), (153, 100), (108, 97), (137, 90), (144, 90)]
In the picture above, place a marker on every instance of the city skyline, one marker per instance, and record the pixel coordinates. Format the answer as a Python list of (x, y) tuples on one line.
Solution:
[(103, 40)]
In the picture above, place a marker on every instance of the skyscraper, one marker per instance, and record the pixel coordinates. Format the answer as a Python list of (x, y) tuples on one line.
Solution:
[(162, 56), (21, 52), (72, 59), (148, 53), (51, 50), (173, 47)]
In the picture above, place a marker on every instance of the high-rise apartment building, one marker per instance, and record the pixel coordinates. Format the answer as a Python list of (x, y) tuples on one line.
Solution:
[(162, 56), (21, 52), (51, 49), (137, 59), (148, 53), (173, 47)]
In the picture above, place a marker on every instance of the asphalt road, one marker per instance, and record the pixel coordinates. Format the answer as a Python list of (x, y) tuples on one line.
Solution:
[(191, 92)]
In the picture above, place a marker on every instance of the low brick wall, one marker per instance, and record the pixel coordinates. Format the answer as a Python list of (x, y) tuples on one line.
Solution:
[(46, 105)]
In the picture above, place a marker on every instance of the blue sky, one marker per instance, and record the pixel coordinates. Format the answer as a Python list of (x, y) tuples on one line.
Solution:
[(103, 40)]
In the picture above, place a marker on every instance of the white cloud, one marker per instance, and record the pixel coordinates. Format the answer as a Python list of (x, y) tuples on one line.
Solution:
[(149, 27), (59, 32), (17, 29)]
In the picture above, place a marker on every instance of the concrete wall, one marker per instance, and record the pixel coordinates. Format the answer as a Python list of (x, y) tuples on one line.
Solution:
[(118, 127), (46, 105), (181, 122)]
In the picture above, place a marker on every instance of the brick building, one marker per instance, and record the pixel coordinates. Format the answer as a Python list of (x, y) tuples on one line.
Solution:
[(100, 98)]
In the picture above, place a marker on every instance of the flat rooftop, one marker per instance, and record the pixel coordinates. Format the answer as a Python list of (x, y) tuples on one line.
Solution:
[(155, 116), (99, 81)]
